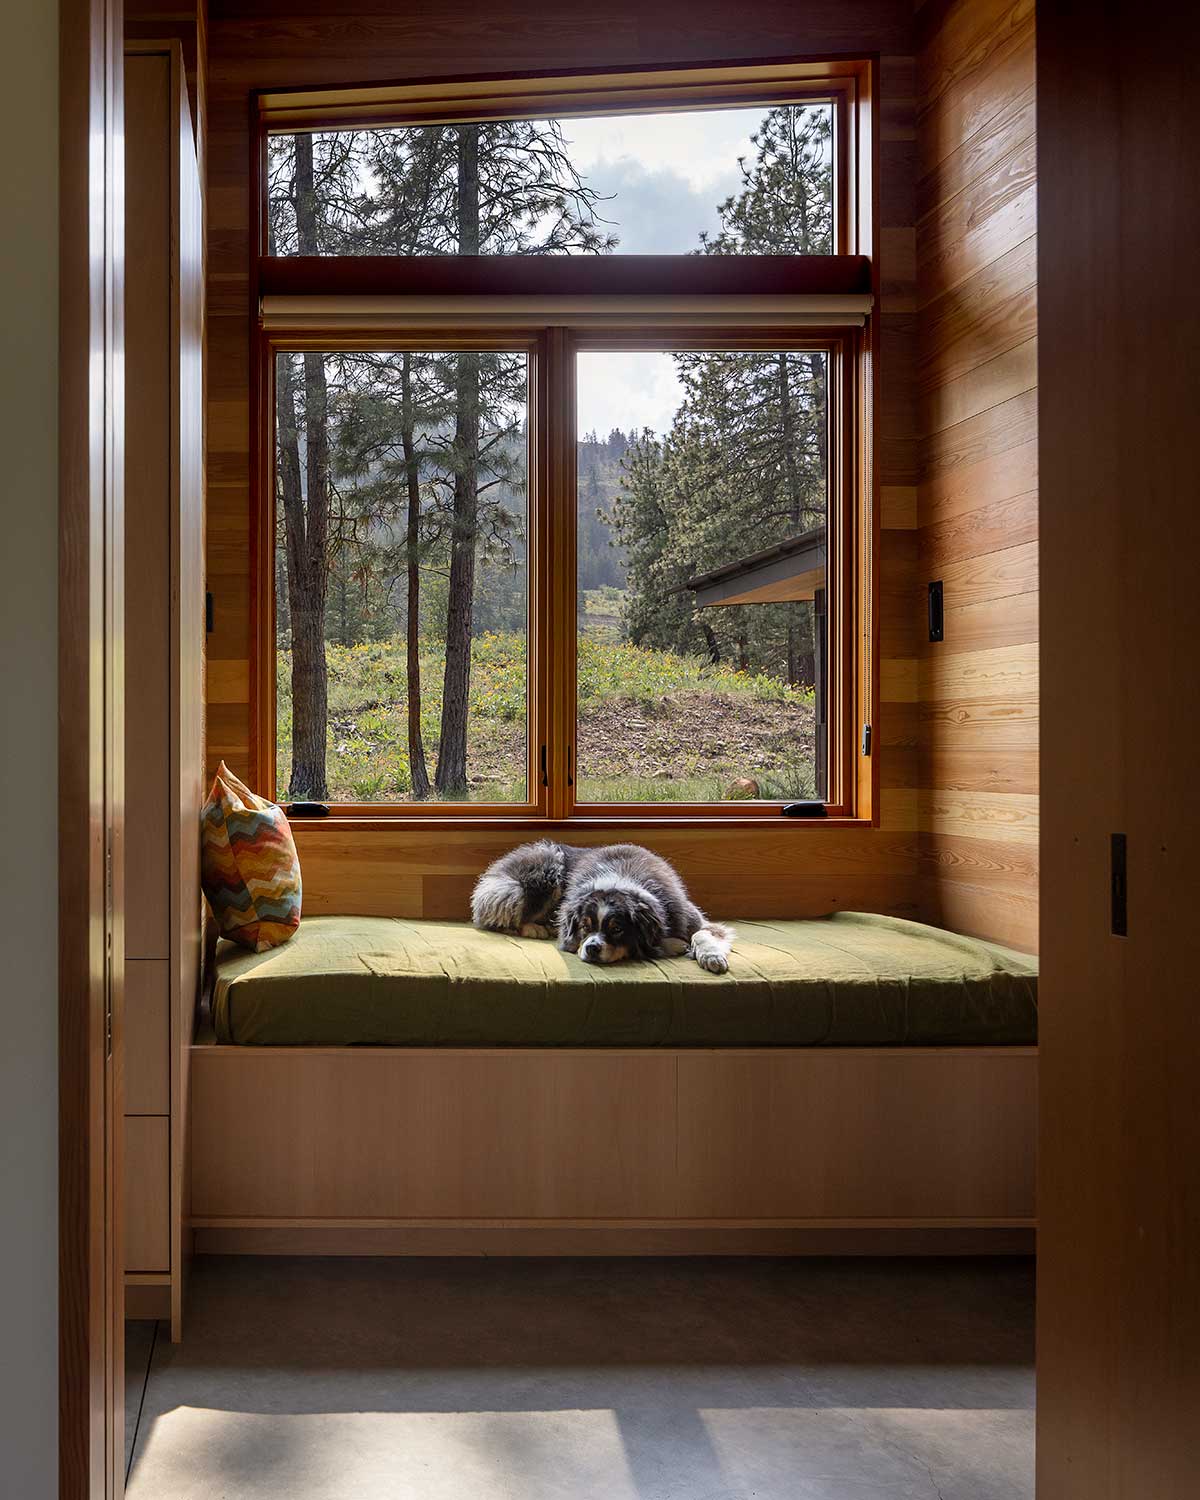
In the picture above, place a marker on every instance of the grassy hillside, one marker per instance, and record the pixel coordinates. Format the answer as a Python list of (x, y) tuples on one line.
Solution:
[(652, 725)]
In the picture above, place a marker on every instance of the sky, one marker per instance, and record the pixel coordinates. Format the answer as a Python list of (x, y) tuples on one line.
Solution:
[(629, 390), (668, 172), (663, 176)]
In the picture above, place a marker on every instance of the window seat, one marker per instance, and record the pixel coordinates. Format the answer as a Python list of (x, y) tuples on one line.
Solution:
[(379, 1086), (849, 980)]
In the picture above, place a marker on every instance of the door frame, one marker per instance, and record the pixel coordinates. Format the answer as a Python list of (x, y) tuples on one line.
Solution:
[(91, 730)]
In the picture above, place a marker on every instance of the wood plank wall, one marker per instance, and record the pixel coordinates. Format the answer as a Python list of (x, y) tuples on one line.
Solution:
[(977, 496), (256, 44)]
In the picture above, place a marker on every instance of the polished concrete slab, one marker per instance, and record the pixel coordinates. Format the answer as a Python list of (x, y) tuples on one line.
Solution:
[(619, 1379), (139, 1344)]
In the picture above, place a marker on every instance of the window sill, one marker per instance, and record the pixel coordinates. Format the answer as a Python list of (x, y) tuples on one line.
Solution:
[(373, 822)]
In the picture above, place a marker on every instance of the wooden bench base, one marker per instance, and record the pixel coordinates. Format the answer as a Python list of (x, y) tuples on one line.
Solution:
[(447, 1151)]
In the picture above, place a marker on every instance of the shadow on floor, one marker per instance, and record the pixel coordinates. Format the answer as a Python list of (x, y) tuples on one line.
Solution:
[(656, 1379)]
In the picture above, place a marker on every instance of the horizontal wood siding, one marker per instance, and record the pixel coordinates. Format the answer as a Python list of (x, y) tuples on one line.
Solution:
[(977, 497), (282, 45)]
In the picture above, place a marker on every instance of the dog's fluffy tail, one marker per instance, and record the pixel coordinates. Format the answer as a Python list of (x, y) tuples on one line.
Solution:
[(497, 902)]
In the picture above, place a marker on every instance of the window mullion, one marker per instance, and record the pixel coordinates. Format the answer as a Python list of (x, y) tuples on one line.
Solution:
[(556, 645)]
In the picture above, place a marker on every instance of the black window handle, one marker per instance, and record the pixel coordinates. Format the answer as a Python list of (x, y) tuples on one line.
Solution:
[(545, 773)]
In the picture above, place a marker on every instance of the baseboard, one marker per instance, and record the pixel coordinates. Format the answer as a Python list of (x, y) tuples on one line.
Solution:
[(147, 1295), (526, 1238)]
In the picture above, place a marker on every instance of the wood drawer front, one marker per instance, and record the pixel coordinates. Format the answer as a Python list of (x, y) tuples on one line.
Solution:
[(940, 1134), (432, 1134), (147, 1036), (147, 1192)]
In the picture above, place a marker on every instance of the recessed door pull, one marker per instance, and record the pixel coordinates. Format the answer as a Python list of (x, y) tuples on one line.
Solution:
[(1119, 886)]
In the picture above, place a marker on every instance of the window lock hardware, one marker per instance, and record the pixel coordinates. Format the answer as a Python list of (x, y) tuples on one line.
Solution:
[(866, 739), (803, 810), (307, 810), (570, 770), (208, 614), (545, 772)]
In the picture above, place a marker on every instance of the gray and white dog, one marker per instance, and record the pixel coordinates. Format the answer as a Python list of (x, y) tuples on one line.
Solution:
[(608, 904)]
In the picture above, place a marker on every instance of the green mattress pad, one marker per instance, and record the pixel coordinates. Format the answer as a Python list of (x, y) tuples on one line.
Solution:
[(848, 980)]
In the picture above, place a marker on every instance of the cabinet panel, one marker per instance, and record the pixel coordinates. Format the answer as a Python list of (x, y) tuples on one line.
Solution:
[(147, 1037), (904, 1134), (148, 497), (147, 1193)]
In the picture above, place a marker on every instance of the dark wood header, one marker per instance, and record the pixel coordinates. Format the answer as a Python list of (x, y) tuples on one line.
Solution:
[(565, 275)]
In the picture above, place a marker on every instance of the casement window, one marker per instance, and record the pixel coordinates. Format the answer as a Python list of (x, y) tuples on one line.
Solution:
[(562, 400)]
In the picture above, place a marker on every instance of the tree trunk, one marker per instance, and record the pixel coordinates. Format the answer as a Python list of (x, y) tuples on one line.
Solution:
[(451, 776), (306, 518), (416, 747), (307, 781), (794, 499), (710, 640)]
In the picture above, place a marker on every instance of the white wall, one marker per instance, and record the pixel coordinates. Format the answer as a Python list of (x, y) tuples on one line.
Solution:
[(28, 754)]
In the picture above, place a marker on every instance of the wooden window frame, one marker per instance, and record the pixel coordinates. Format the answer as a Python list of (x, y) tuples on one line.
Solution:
[(539, 306)]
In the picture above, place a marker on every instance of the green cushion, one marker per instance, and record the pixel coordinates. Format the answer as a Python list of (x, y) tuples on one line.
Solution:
[(848, 980)]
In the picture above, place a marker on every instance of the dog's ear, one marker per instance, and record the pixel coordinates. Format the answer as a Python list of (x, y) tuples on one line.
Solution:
[(648, 928)]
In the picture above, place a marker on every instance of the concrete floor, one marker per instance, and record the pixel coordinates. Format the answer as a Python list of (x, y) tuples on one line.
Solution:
[(566, 1380)]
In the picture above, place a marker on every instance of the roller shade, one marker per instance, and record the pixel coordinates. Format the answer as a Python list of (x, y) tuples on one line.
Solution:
[(294, 313)]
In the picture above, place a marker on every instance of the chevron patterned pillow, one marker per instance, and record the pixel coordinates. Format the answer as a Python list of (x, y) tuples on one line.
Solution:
[(248, 865)]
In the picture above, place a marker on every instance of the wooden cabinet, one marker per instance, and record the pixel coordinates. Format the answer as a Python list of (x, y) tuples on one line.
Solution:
[(164, 666)]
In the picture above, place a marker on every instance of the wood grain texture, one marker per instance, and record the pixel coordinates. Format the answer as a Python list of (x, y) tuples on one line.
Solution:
[(822, 1133), (147, 1193), (90, 785), (164, 608), (1119, 1244), (405, 871), (147, 1036), (149, 569), (614, 1238), (441, 1133), (977, 497), (147, 1295), (842, 1137)]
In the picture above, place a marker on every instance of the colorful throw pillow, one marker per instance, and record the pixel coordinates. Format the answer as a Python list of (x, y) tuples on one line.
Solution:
[(248, 865)]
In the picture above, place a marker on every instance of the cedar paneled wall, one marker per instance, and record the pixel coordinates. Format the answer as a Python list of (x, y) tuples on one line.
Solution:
[(977, 497), (787, 870)]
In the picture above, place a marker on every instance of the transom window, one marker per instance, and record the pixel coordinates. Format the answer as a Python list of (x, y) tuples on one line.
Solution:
[(584, 537)]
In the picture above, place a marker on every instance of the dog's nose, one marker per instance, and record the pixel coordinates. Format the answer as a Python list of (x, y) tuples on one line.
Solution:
[(591, 949)]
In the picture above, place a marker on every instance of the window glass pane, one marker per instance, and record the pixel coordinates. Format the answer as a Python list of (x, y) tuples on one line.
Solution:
[(703, 483), (401, 576), (716, 181)]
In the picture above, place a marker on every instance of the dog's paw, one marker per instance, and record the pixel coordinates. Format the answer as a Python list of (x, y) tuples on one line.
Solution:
[(673, 947), (535, 930), (713, 963)]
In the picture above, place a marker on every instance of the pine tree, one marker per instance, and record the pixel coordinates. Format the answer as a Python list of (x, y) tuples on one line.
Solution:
[(746, 461), (505, 187)]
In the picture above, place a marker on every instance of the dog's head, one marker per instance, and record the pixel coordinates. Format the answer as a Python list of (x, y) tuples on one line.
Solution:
[(606, 926)]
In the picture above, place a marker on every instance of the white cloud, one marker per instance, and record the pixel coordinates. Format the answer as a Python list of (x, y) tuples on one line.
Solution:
[(656, 212), (701, 146), (663, 175), (625, 389)]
